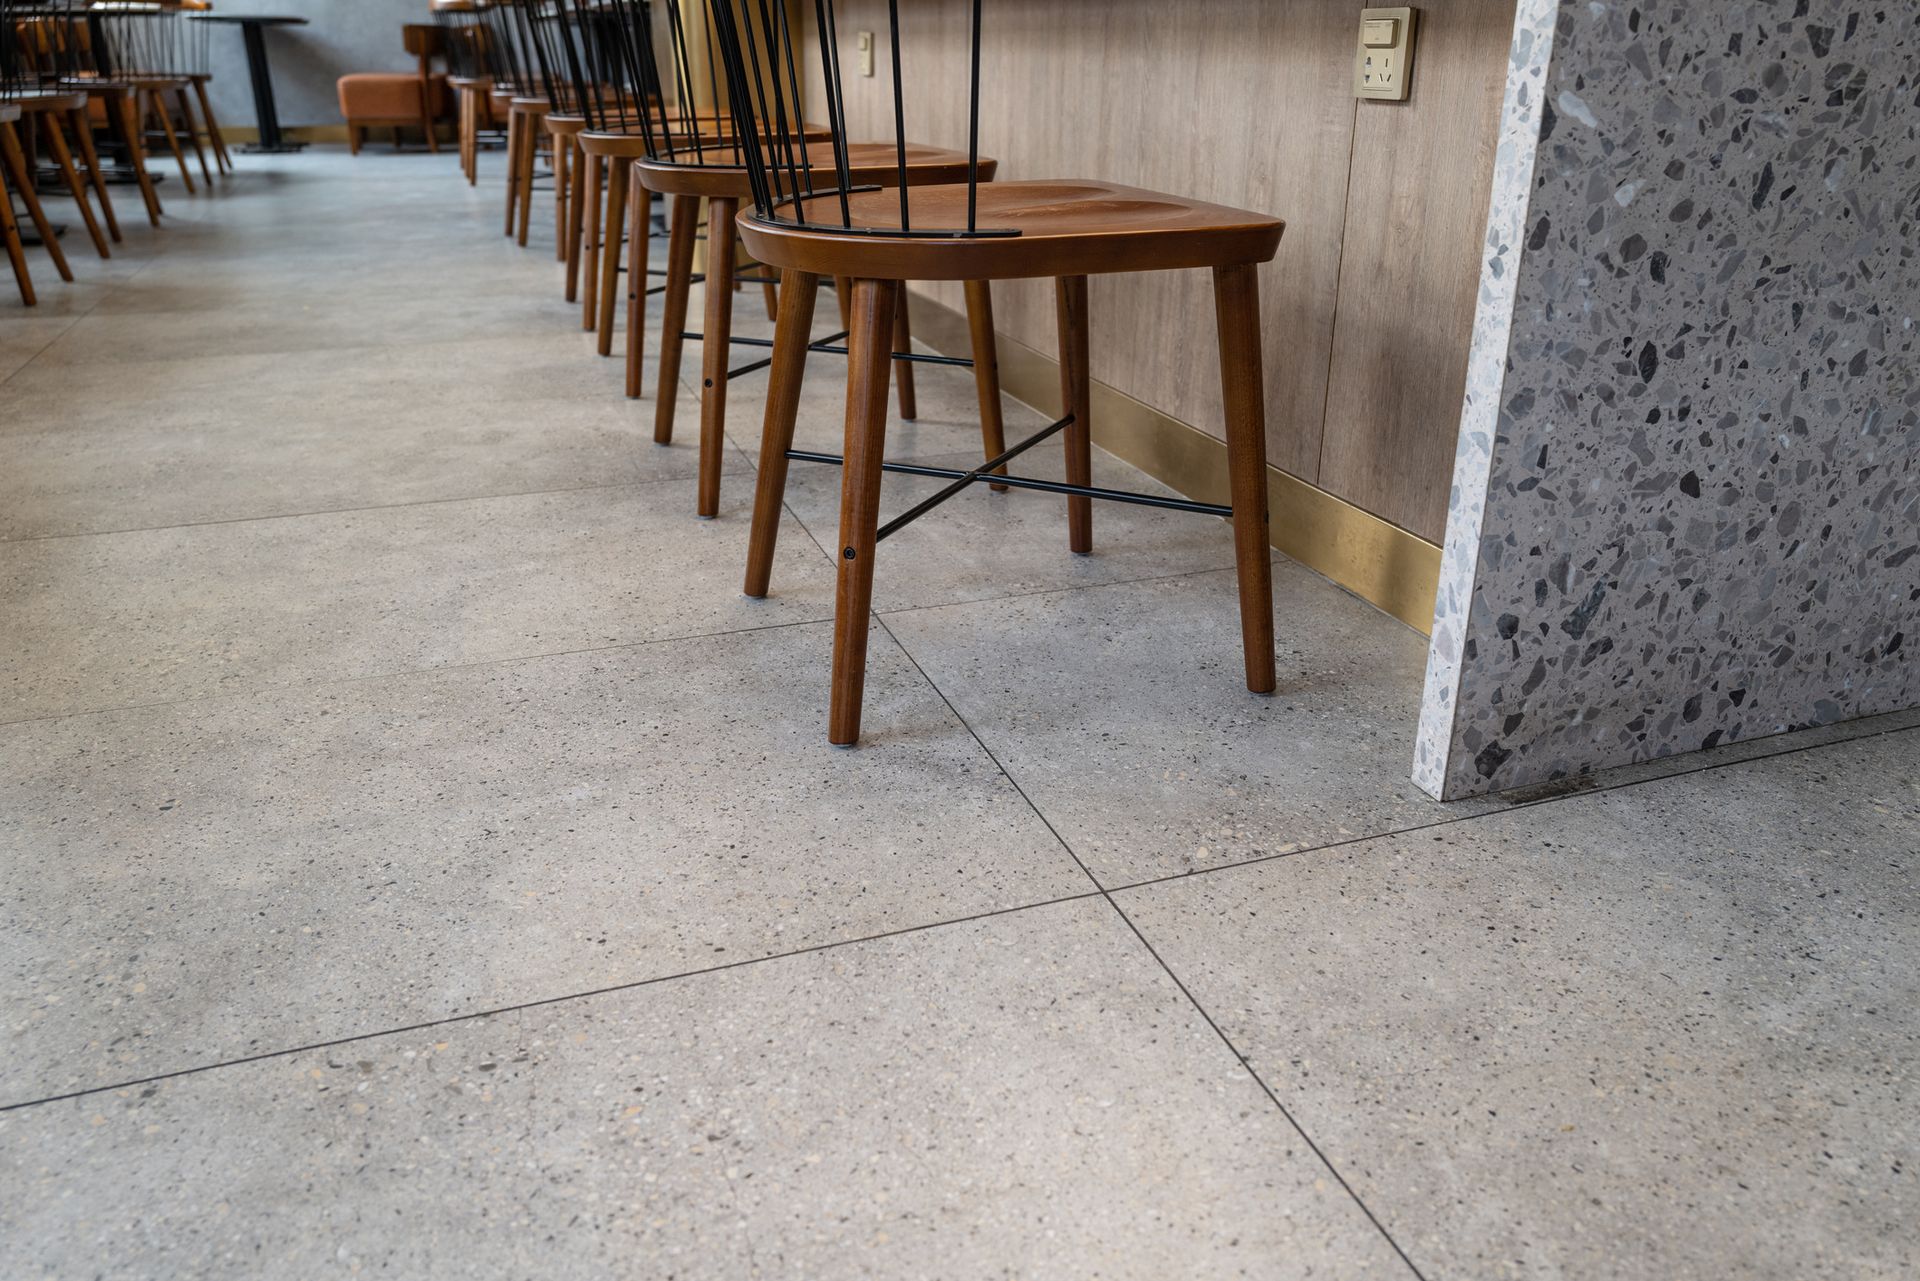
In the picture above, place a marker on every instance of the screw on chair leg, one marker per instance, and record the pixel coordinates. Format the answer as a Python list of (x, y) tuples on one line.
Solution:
[(869, 357), (673, 321), (716, 350)]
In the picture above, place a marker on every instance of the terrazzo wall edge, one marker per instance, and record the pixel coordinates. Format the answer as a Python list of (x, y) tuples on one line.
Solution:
[(1686, 507)]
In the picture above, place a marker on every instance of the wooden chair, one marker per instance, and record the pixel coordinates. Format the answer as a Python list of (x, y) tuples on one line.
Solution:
[(51, 112), (146, 53), (463, 37), (687, 166), (9, 230), (57, 113), (1063, 229), (59, 47)]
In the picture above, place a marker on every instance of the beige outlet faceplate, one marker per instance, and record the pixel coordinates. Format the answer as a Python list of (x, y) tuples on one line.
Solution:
[(1383, 66)]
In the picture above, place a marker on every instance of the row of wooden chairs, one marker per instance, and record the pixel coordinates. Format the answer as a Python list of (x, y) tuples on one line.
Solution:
[(609, 84), (81, 81)]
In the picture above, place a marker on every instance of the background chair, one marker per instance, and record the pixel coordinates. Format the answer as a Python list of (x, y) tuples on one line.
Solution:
[(1067, 230)]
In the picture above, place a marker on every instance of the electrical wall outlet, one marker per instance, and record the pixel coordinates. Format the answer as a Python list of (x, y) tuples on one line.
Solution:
[(863, 41), (1383, 67)]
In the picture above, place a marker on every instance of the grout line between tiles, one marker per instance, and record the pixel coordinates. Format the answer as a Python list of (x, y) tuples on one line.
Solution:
[(541, 1002), (1245, 1066)]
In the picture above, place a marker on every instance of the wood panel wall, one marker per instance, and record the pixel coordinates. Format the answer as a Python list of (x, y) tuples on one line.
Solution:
[(1369, 306)]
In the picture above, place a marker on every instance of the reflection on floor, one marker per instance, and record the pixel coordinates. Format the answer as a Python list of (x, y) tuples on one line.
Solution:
[(420, 860)]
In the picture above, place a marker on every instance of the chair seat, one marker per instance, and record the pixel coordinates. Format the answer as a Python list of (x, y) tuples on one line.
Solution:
[(1068, 227), (868, 163), (37, 100), (389, 95)]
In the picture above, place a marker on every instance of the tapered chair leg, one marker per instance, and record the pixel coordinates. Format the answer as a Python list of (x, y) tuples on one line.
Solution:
[(639, 251), (619, 174), (513, 166), (124, 109), (16, 252), (791, 334), (986, 372), (214, 135), (63, 159), (83, 137), (903, 369), (684, 226), (1070, 311), (1236, 294), (576, 221), (590, 245), (562, 153), (716, 349), (529, 161), (869, 354), (158, 108), (193, 133), (22, 179), (843, 293)]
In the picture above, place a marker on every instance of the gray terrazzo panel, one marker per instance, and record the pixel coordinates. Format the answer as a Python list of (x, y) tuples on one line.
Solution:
[(1686, 508)]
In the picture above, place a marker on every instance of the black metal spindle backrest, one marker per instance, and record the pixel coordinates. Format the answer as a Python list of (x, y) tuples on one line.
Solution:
[(16, 63), (462, 38), (785, 190), (658, 59), (511, 63), (139, 40)]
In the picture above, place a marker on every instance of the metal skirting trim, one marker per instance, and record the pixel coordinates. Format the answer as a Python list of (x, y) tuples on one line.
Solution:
[(1376, 560)]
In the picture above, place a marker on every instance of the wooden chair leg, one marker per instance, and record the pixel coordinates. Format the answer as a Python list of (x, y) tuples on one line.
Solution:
[(869, 354), (529, 161), (683, 228), (22, 177), (562, 153), (63, 159), (620, 173), (1070, 311), (639, 251), (16, 252), (83, 135), (792, 331), (986, 372), (159, 110), (214, 135), (1236, 295), (716, 349), (354, 136), (844, 292), (590, 245), (576, 221), (124, 111), (193, 133), (513, 166), (903, 369)]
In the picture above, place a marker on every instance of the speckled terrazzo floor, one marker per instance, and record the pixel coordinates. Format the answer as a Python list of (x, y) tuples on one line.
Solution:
[(417, 859)]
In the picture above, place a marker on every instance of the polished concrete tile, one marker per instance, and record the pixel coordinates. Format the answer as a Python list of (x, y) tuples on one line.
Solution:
[(854, 1113), (223, 877), (112, 620), (107, 467), (1666, 1031), (1123, 713)]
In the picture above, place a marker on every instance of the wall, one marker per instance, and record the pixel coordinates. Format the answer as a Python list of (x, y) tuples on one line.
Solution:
[(1246, 103), (1686, 507), (342, 36)]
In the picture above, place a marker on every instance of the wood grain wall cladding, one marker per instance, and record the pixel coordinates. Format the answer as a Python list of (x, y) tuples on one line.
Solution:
[(1369, 306)]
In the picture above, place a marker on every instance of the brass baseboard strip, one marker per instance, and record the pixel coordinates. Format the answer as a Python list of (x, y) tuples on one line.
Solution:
[(1378, 561), (237, 134)]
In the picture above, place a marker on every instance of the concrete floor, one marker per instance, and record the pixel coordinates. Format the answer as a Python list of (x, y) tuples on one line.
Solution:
[(420, 861)]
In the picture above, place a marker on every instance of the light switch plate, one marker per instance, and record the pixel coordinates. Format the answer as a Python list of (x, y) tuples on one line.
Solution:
[(863, 43), (1383, 72)]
